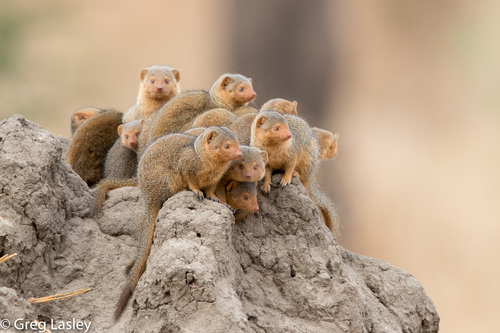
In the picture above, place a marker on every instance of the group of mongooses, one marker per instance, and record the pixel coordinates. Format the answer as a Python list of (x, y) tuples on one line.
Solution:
[(210, 142)]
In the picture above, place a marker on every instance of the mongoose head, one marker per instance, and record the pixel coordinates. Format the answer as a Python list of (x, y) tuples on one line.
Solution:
[(281, 106), (129, 133), (80, 116), (159, 82), (327, 143), (231, 91), (250, 167), (269, 127), (220, 144), (242, 195)]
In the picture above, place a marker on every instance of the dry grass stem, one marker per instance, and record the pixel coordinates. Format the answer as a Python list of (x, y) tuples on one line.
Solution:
[(7, 257), (56, 297)]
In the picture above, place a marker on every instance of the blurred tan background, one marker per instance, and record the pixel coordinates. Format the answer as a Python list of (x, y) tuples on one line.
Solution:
[(412, 87)]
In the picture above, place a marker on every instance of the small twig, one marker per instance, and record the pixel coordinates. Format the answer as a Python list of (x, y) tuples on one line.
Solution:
[(56, 297), (7, 257)]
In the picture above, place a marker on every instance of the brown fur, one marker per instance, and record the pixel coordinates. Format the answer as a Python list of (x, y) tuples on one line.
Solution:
[(230, 91), (158, 85), (121, 162), (80, 116), (250, 167), (281, 106), (106, 185), (91, 143), (242, 128), (298, 155), (242, 110), (174, 163), (215, 117), (242, 197), (327, 143)]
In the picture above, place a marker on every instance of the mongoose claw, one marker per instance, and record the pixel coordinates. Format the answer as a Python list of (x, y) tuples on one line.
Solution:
[(266, 189), (199, 195), (230, 208), (214, 199)]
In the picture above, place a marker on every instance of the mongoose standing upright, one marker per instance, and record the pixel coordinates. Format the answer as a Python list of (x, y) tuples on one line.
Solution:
[(270, 132), (243, 125), (230, 91), (159, 84), (120, 167), (250, 167), (91, 143), (121, 160), (242, 197), (80, 116), (174, 163), (280, 105), (295, 153), (327, 143)]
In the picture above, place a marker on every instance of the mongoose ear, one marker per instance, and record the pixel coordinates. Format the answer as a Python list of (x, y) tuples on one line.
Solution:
[(210, 135), (230, 186), (177, 75), (294, 103), (143, 74), (265, 156), (141, 122), (250, 79), (259, 121), (225, 81), (335, 137), (85, 114), (120, 130)]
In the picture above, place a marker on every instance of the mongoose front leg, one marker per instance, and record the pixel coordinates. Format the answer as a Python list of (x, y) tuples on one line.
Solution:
[(266, 187), (211, 193), (289, 172), (196, 190)]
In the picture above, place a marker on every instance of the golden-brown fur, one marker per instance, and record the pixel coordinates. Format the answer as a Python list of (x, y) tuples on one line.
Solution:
[(158, 85), (242, 197), (174, 163), (250, 167), (230, 91), (80, 116), (327, 143), (281, 106), (91, 143)]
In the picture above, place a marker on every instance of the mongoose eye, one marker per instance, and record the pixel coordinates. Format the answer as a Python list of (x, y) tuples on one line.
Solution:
[(152, 81), (241, 166), (126, 136), (167, 81), (226, 146), (255, 167), (245, 197), (137, 134), (276, 128), (241, 89)]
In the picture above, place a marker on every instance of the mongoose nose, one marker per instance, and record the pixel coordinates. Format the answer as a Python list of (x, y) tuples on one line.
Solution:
[(159, 89), (239, 153), (254, 94), (289, 135)]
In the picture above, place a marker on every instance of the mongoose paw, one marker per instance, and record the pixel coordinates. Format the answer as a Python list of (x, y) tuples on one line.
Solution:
[(230, 208), (284, 182), (199, 195), (266, 189), (214, 199)]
